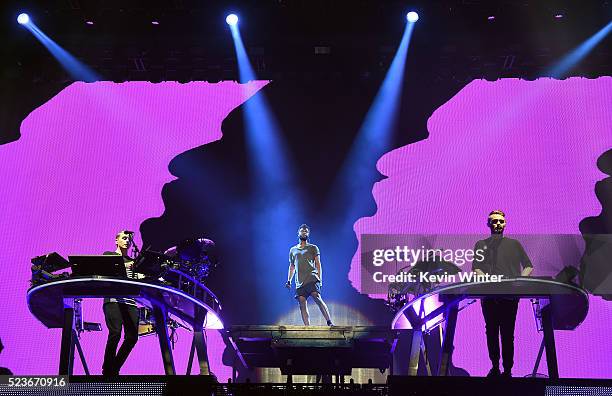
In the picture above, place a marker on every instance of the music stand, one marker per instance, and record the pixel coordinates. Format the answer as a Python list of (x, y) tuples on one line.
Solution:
[(51, 262)]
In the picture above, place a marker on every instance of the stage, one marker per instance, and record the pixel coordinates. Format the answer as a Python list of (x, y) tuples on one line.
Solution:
[(396, 386), (306, 196)]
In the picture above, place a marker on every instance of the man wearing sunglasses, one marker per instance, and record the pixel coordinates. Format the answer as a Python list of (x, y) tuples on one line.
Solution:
[(506, 257)]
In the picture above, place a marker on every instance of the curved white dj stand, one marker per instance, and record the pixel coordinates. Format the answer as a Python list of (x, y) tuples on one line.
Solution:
[(53, 305), (567, 306)]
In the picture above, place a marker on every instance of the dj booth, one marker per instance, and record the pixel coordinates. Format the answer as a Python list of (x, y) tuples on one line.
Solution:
[(169, 283), (560, 306), (54, 304)]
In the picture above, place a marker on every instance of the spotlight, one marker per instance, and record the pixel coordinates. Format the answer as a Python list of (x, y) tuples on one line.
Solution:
[(491, 17), (23, 18), (89, 22), (559, 16), (232, 19), (412, 16)]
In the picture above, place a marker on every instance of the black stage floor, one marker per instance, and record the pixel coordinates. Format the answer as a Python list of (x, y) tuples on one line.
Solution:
[(396, 385)]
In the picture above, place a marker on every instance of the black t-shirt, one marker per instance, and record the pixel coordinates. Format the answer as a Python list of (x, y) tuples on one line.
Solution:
[(502, 256), (130, 274)]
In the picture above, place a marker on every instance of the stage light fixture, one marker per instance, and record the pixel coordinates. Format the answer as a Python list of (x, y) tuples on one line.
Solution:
[(23, 18), (232, 19), (412, 16)]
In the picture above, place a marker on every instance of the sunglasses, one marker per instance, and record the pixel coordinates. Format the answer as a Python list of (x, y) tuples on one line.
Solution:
[(498, 221)]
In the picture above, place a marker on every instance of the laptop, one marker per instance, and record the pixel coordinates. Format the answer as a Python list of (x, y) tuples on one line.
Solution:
[(97, 265)]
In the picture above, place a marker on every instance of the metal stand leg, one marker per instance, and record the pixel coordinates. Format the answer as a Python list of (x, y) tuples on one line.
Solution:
[(449, 335), (417, 347), (415, 352), (67, 345), (538, 359), (425, 358), (191, 353), (549, 343), (199, 344), (80, 350), (161, 328)]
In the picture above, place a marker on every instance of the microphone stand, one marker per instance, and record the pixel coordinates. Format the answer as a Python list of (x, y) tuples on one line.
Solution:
[(135, 253), (135, 250)]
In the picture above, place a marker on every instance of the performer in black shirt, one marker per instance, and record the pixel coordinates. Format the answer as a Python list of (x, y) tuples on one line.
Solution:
[(502, 256), (120, 312)]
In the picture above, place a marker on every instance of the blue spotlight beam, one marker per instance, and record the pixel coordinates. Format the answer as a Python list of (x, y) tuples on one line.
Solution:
[(263, 133), (563, 67), (375, 132), (276, 200), (76, 69), (245, 70), (374, 137)]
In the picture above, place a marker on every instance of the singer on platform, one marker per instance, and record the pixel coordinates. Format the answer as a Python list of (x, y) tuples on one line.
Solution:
[(305, 264)]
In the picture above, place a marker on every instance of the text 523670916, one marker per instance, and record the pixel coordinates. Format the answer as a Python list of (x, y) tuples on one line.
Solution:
[(52, 381)]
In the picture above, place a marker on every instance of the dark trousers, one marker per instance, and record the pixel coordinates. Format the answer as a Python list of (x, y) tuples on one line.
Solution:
[(119, 315), (500, 318)]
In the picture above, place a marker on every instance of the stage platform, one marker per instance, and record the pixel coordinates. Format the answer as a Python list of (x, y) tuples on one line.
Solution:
[(334, 350), (396, 385)]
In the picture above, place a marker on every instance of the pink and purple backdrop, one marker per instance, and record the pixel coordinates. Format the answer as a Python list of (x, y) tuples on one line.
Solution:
[(91, 161), (528, 147)]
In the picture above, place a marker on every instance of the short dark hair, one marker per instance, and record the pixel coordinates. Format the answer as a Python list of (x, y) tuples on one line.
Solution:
[(497, 212), (304, 226), (119, 233)]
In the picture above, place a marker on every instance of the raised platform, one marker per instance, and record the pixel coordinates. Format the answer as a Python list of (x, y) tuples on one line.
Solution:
[(314, 349)]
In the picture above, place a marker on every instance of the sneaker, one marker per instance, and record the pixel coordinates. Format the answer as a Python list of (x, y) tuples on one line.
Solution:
[(329, 323), (494, 372)]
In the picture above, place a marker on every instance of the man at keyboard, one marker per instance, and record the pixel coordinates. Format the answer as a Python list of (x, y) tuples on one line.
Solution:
[(506, 257), (120, 312)]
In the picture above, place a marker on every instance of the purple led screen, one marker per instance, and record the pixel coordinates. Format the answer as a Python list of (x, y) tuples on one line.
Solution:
[(92, 161), (528, 148)]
